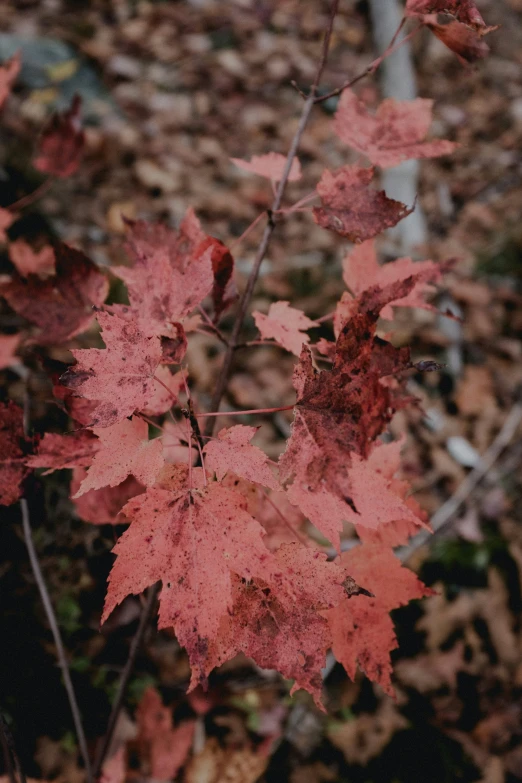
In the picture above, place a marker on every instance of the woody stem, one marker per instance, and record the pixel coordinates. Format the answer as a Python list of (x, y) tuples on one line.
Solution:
[(270, 226)]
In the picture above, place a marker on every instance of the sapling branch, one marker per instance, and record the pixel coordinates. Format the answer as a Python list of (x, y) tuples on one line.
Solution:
[(269, 228), (53, 624)]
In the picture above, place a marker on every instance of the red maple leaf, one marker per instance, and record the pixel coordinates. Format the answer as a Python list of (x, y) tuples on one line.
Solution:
[(339, 412), (279, 630), (30, 262), (232, 452), (396, 133), (61, 144), (351, 208), (361, 628), (162, 748), (464, 11), (271, 166), (124, 450), (457, 23), (8, 73), (171, 275), (61, 306), (120, 377), (286, 325), (224, 291), (193, 540), (342, 410), (362, 271), (13, 449), (73, 450), (103, 506)]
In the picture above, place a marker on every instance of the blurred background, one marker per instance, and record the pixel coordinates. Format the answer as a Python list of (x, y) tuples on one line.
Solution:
[(170, 91)]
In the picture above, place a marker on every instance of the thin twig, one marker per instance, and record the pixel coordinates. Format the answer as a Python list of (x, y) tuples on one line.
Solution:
[(372, 67), (10, 754), (53, 624), (146, 614), (243, 413), (269, 228), (25, 201), (446, 512)]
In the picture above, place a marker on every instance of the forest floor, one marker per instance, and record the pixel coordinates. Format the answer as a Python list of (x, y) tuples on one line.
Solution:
[(171, 91)]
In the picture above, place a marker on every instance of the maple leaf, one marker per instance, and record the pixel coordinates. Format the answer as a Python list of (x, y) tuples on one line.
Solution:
[(341, 410), (120, 377), (13, 449), (224, 291), (362, 629), (172, 273), (61, 144), (351, 208), (393, 135), (29, 262), (163, 747), (457, 23), (280, 631), (272, 166), (103, 506), (233, 452), (6, 218), (8, 347), (193, 540), (338, 413), (55, 452), (464, 11), (8, 73), (61, 306), (124, 450), (362, 271), (285, 325)]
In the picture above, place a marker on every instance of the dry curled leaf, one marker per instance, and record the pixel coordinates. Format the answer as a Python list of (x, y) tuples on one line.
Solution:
[(351, 208)]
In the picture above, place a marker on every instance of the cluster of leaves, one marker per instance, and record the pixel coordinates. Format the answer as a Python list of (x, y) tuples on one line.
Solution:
[(213, 519)]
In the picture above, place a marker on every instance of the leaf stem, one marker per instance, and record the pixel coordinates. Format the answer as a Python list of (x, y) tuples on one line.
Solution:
[(270, 226), (243, 413), (51, 618)]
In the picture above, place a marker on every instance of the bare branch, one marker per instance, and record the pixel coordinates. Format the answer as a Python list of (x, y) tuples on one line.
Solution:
[(136, 643), (269, 229), (53, 624), (446, 512)]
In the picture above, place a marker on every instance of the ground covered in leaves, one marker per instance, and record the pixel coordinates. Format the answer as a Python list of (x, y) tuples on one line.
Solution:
[(171, 91)]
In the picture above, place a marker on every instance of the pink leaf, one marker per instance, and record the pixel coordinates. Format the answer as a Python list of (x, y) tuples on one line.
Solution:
[(103, 506), (362, 630), (61, 144), (233, 452), (285, 325), (361, 272), (61, 305), (172, 274), (120, 377), (271, 166), (124, 450), (74, 450), (29, 262), (351, 208), (396, 133)]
